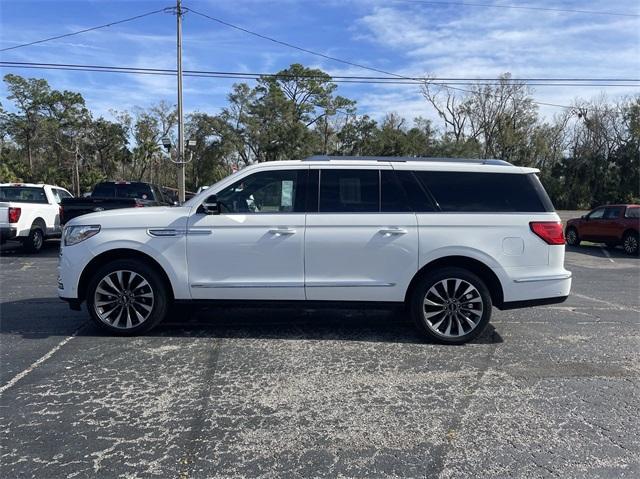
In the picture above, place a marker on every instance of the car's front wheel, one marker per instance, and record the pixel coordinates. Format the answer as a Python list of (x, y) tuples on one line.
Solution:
[(127, 297), (572, 237), (451, 305), (630, 243)]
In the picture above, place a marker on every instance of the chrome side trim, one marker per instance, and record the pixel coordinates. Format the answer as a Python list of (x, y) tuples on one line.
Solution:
[(533, 279), (164, 232), (292, 284), (249, 284), (348, 284), (199, 232)]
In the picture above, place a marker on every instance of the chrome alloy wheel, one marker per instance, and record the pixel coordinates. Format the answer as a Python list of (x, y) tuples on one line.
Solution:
[(630, 244), (572, 237), (123, 299), (452, 308), (38, 239)]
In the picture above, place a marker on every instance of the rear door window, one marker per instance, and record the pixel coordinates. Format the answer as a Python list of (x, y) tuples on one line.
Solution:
[(612, 213), (349, 191), (393, 198), (471, 192)]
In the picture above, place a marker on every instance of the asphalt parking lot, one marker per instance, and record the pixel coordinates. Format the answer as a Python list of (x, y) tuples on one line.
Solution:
[(545, 392)]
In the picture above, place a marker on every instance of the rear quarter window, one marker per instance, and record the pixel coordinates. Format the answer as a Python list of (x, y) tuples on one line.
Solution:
[(632, 212), (23, 194), (476, 192)]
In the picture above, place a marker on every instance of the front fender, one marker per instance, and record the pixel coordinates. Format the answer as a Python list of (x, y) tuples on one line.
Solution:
[(168, 252)]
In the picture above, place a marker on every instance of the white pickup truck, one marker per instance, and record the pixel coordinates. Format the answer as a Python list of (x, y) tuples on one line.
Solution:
[(30, 213)]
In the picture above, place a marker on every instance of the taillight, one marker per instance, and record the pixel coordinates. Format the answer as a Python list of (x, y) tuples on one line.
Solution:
[(14, 214), (550, 231)]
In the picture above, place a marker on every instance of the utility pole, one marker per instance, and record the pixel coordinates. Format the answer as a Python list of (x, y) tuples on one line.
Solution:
[(180, 162)]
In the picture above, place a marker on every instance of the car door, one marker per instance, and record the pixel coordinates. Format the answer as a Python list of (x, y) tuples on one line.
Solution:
[(58, 195), (253, 249), (591, 228), (358, 248), (610, 227)]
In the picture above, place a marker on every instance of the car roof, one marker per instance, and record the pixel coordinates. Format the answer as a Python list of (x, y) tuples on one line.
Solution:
[(619, 205), (30, 185), (412, 163)]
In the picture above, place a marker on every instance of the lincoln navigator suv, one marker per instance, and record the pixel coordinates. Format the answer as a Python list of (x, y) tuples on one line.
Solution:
[(449, 239)]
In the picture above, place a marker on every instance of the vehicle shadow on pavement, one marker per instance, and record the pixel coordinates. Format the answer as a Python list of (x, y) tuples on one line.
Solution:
[(13, 249), (601, 251), (26, 318)]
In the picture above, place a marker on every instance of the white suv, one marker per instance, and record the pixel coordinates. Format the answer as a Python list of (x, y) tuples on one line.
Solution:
[(448, 238)]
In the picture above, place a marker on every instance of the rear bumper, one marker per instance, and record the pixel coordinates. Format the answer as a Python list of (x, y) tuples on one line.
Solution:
[(7, 233), (522, 285)]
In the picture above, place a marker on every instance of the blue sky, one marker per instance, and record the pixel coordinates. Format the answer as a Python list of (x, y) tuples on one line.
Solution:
[(405, 37)]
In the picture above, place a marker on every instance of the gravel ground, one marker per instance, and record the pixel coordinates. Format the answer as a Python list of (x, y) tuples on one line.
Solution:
[(544, 392)]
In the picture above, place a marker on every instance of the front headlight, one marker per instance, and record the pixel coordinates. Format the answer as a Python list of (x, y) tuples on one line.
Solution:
[(76, 234)]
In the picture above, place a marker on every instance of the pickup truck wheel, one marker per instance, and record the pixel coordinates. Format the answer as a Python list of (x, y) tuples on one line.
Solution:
[(572, 237), (127, 297), (451, 305), (33, 243), (630, 243)]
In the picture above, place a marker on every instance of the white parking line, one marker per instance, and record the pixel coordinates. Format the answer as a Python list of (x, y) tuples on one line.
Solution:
[(606, 253), (608, 303), (35, 365)]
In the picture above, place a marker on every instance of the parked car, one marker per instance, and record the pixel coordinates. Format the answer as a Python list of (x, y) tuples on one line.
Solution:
[(613, 225), (30, 213), (448, 239), (110, 195)]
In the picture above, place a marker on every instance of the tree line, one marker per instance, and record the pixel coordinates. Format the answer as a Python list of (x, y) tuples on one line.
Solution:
[(588, 154)]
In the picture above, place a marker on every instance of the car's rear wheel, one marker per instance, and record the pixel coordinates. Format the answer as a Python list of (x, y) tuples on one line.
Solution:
[(630, 243), (127, 297), (34, 242), (572, 237), (451, 305)]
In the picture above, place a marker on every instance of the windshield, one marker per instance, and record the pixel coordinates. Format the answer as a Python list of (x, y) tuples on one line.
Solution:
[(23, 194)]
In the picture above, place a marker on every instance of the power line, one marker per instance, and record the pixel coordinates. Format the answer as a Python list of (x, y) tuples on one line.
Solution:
[(519, 7), (85, 30), (336, 79)]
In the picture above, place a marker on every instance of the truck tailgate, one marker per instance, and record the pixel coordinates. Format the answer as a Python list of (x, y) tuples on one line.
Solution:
[(4, 215)]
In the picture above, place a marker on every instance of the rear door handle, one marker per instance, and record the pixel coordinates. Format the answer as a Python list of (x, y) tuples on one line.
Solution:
[(282, 231), (393, 231)]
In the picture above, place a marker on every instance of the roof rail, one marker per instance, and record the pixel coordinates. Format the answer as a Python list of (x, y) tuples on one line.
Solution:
[(476, 161)]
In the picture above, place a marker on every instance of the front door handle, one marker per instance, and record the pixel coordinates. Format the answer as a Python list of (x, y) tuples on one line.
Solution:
[(282, 231), (393, 231)]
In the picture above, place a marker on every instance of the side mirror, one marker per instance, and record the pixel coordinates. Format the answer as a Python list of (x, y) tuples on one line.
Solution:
[(211, 206)]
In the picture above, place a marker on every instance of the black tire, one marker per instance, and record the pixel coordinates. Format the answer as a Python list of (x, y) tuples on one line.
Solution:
[(630, 242), (572, 237), (34, 242), (479, 316), (130, 268)]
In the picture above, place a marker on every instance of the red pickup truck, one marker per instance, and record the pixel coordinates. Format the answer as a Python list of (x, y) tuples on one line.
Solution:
[(612, 224)]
